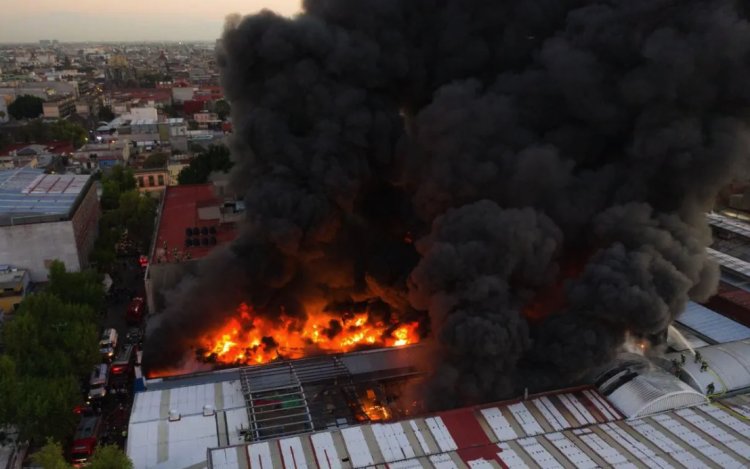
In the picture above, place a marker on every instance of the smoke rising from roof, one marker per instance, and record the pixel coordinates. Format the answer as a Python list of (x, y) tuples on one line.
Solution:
[(502, 136)]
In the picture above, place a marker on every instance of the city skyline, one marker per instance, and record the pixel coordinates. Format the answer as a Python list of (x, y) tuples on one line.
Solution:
[(138, 20)]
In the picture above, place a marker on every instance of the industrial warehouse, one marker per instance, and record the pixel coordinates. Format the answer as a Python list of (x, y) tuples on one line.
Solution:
[(689, 407)]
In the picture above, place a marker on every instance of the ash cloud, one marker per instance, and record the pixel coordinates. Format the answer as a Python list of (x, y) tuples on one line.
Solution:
[(502, 137)]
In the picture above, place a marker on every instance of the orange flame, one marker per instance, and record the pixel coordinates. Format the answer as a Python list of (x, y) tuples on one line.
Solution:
[(251, 339)]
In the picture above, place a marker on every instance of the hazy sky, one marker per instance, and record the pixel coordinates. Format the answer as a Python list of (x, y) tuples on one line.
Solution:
[(128, 20)]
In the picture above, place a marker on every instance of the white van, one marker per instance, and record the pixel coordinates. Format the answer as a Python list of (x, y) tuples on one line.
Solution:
[(108, 343), (98, 382)]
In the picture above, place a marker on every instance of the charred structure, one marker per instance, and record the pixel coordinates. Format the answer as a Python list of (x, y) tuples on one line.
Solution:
[(532, 176)]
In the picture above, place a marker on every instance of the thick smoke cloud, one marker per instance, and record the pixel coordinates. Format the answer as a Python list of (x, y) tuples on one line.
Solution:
[(512, 140)]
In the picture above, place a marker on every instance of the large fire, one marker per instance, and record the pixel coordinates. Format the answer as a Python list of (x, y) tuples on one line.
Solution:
[(249, 338)]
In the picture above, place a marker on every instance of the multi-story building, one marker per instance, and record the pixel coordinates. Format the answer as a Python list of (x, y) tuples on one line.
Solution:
[(59, 108), (46, 217), (152, 180)]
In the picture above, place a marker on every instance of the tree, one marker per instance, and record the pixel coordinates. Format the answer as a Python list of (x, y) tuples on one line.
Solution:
[(119, 180), (216, 158), (40, 131), (106, 114), (222, 108), (69, 132), (110, 457), (50, 456), (45, 407), (156, 160), (84, 288), (64, 334), (137, 214), (26, 107), (8, 389)]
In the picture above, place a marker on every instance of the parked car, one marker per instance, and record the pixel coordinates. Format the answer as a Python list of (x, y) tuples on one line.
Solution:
[(135, 311), (108, 343), (98, 383)]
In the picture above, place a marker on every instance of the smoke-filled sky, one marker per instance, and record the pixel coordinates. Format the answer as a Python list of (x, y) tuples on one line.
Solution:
[(134, 20), (553, 161)]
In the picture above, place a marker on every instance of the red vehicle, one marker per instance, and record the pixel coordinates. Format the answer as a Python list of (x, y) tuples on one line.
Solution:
[(122, 366), (135, 311), (85, 440)]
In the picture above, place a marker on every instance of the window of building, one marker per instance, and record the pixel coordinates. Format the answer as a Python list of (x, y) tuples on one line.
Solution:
[(140, 181), (161, 180), (151, 180)]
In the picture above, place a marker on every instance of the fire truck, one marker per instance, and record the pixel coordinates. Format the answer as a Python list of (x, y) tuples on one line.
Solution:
[(85, 440)]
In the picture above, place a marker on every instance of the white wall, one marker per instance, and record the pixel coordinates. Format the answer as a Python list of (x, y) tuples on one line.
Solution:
[(29, 246)]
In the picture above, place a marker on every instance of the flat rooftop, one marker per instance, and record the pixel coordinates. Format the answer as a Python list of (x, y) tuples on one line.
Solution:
[(571, 428), (29, 195), (180, 212), (232, 406)]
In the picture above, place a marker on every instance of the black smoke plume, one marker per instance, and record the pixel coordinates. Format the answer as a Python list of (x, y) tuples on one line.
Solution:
[(501, 136)]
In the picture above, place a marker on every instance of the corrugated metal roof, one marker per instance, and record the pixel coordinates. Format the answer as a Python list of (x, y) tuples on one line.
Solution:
[(156, 442), (712, 325), (29, 192), (727, 367), (737, 266), (638, 389), (729, 224), (494, 436)]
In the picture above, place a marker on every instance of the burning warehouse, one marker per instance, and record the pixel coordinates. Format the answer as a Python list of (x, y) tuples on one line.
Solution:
[(518, 185)]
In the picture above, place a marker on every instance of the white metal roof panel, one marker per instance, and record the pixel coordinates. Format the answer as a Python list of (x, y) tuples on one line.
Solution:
[(392, 442), (674, 450), (510, 458), (551, 419), (325, 451), (603, 406), (356, 445), (526, 419), (292, 453), (727, 419), (605, 451), (574, 454), (442, 461), (539, 453), (706, 426), (642, 452), (415, 428), (259, 455), (692, 439), (711, 324), (161, 444), (499, 424), (441, 434)]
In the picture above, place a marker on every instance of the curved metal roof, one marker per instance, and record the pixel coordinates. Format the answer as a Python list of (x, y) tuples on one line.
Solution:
[(727, 367), (637, 388)]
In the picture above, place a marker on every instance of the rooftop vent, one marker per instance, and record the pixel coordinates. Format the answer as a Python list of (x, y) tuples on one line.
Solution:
[(208, 410), (174, 416)]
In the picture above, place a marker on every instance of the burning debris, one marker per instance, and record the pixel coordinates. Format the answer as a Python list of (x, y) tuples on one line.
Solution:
[(455, 158), (251, 338)]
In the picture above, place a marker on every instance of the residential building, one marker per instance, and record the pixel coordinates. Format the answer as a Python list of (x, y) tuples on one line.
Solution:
[(44, 217), (152, 180), (204, 119), (59, 108), (14, 283), (212, 221)]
